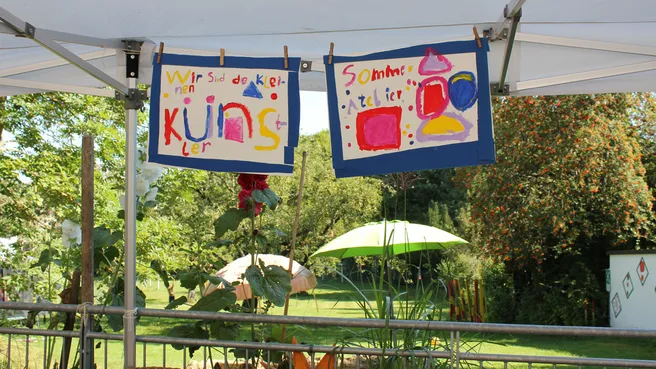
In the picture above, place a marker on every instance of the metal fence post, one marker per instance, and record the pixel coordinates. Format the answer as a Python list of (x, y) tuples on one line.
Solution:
[(457, 349)]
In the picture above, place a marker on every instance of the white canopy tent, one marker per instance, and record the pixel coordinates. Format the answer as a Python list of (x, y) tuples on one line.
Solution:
[(557, 47), (561, 47)]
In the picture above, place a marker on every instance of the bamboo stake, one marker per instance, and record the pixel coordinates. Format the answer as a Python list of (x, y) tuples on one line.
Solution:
[(299, 201)]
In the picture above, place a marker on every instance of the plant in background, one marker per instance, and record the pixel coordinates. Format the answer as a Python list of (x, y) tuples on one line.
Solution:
[(416, 303), (269, 283), (108, 258)]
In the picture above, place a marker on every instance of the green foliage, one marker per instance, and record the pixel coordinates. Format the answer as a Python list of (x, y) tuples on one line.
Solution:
[(229, 221), (408, 196), (118, 299), (188, 331), (500, 304), (271, 282), (331, 207), (267, 197), (438, 216), (215, 301), (176, 303), (220, 330), (570, 170), (568, 185)]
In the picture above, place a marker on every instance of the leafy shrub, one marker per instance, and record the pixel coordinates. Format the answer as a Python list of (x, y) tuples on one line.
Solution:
[(500, 306)]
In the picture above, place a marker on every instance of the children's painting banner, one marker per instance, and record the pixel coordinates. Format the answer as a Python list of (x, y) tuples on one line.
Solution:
[(242, 116), (422, 107)]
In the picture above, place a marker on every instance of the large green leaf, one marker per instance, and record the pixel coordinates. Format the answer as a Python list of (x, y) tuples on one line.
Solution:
[(215, 301), (177, 302), (101, 237), (268, 197), (116, 321), (229, 221), (217, 281), (271, 282), (116, 236), (189, 279), (224, 331), (45, 259), (188, 331)]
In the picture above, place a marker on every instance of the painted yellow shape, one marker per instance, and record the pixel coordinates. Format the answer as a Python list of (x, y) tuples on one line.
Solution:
[(443, 125), (177, 75), (407, 88), (466, 77), (266, 132), (410, 68), (166, 95)]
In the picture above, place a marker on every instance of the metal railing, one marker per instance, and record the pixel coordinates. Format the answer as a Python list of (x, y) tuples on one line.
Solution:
[(452, 357)]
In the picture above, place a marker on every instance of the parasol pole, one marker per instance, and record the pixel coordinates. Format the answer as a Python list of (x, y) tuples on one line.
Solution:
[(294, 231)]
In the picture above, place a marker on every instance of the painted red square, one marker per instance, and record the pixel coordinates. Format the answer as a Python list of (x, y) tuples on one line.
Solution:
[(379, 129), (434, 99)]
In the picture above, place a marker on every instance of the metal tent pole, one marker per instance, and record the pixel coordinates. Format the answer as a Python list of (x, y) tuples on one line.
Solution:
[(132, 105), (129, 318)]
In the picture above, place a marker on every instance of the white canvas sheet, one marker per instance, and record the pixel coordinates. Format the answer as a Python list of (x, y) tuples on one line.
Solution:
[(261, 28)]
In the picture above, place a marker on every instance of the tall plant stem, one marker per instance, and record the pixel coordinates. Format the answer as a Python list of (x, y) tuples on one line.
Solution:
[(252, 249), (299, 202)]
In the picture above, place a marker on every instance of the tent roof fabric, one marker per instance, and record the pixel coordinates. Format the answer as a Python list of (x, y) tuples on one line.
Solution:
[(562, 47)]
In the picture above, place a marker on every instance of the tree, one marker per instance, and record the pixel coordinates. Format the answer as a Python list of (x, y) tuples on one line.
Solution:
[(438, 216), (408, 196), (568, 184), (331, 207)]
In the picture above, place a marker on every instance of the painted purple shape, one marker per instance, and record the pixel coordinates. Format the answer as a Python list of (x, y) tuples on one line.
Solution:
[(434, 63), (234, 129), (460, 136)]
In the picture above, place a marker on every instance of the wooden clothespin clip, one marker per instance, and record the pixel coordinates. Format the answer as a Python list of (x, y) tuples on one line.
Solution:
[(330, 53), (478, 38), (286, 58), (222, 57), (161, 51)]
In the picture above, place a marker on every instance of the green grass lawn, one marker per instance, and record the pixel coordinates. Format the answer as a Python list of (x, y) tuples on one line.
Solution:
[(335, 299)]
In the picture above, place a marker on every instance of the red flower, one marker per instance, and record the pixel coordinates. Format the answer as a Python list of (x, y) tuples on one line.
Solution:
[(252, 181), (248, 183)]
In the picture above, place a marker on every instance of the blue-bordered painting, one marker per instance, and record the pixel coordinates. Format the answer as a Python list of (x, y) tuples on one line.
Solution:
[(417, 108), (242, 116)]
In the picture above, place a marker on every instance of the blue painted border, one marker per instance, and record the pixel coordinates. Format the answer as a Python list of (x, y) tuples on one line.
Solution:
[(218, 165), (448, 156)]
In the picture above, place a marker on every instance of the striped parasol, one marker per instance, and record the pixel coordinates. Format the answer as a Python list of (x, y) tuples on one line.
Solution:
[(302, 278)]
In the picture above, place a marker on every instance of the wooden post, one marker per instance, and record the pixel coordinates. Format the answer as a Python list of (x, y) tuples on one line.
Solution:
[(299, 202), (87, 218), (477, 302), (88, 164), (452, 309), (69, 296)]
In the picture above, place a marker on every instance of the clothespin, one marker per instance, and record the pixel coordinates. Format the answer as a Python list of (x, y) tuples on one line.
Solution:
[(222, 57), (478, 38), (330, 53), (161, 51), (286, 58)]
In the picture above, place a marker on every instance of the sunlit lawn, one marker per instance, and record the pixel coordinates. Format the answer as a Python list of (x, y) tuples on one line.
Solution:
[(335, 299)]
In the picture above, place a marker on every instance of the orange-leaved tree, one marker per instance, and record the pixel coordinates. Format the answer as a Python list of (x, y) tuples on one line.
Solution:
[(568, 185)]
